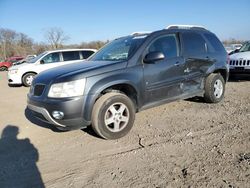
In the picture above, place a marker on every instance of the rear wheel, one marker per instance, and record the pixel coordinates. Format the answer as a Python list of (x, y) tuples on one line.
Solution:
[(214, 88), (3, 68), (28, 78), (113, 115)]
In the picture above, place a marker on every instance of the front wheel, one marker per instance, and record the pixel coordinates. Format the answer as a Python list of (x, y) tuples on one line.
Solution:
[(27, 79), (214, 88), (113, 115)]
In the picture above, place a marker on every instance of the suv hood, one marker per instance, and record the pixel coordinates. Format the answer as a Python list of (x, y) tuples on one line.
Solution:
[(240, 55), (77, 70)]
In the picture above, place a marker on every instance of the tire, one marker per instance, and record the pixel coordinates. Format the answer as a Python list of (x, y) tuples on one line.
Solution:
[(107, 121), (3, 68), (28, 78), (214, 88)]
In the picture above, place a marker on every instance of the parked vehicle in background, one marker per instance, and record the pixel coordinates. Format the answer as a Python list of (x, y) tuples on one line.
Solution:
[(240, 60), (5, 65), (26, 59), (245, 47), (231, 48), (128, 75), (24, 73), (15, 58)]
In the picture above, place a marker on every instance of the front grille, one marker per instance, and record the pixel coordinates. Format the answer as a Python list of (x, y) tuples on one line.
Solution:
[(38, 89), (240, 62)]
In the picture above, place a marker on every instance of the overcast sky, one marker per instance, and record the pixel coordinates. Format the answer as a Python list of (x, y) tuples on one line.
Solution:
[(102, 20)]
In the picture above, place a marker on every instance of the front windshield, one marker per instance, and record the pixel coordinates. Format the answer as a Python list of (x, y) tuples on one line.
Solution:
[(119, 49), (36, 58), (245, 47)]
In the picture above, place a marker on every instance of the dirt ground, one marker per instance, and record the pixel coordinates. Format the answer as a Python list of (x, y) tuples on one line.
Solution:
[(181, 144)]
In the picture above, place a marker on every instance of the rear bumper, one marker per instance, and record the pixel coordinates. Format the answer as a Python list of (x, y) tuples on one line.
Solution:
[(72, 109)]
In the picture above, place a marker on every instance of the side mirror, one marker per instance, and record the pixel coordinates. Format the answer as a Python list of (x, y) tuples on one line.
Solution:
[(152, 57), (42, 62)]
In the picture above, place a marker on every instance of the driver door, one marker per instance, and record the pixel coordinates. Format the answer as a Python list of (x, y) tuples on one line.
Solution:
[(163, 79)]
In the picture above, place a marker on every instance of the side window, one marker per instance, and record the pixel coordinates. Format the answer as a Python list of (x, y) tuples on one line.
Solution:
[(193, 44), (86, 54), (214, 41), (51, 58), (70, 56), (167, 45)]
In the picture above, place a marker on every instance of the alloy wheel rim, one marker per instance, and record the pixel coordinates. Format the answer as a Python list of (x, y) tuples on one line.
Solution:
[(29, 79), (116, 117), (218, 88)]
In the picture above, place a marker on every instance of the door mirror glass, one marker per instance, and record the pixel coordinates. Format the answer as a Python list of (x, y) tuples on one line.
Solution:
[(152, 57)]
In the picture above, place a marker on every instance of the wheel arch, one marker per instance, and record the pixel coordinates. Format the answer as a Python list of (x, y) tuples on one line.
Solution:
[(33, 72), (116, 86), (26, 74), (223, 73)]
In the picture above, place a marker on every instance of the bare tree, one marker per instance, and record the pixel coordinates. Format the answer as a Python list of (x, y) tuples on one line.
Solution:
[(56, 37), (7, 39)]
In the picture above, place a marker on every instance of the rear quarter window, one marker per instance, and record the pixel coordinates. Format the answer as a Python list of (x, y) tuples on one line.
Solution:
[(70, 56), (216, 45), (193, 43), (86, 54)]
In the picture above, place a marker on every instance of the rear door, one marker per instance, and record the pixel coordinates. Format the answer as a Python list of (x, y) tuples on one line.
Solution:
[(197, 62), (163, 78)]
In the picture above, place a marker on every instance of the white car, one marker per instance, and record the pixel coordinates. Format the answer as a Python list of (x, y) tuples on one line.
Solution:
[(240, 61), (24, 73)]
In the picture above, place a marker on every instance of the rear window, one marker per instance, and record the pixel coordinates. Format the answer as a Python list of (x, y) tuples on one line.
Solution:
[(69, 56), (86, 54), (214, 41), (193, 44)]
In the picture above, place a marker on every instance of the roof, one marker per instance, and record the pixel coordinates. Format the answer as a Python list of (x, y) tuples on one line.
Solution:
[(186, 27), (73, 49)]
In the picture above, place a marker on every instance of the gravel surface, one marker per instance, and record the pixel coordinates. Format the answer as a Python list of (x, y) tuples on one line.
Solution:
[(181, 144)]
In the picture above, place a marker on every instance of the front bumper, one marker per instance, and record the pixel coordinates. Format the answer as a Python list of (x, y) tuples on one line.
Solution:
[(14, 79), (240, 70), (71, 107)]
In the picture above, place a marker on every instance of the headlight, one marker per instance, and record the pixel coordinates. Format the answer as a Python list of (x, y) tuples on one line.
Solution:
[(67, 89), (13, 71)]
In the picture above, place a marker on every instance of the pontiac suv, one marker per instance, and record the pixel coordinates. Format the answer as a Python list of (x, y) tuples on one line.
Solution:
[(128, 75)]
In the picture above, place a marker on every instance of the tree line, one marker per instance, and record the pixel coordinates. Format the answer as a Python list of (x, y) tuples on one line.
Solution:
[(16, 43)]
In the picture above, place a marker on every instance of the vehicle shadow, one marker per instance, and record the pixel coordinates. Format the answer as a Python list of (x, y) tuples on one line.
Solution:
[(196, 100), (38, 122), (239, 78), (91, 132), (13, 86), (18, 159)]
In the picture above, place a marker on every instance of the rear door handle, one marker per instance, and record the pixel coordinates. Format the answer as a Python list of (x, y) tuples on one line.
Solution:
[(177, 63)]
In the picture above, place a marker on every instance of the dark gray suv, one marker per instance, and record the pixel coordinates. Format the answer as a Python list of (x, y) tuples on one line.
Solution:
[(128, 75)]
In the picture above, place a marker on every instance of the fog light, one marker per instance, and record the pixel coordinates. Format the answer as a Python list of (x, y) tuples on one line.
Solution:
[(57, 114)]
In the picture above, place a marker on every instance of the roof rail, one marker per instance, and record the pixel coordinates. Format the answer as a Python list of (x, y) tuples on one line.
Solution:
[(141, 32), (185, 27)]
